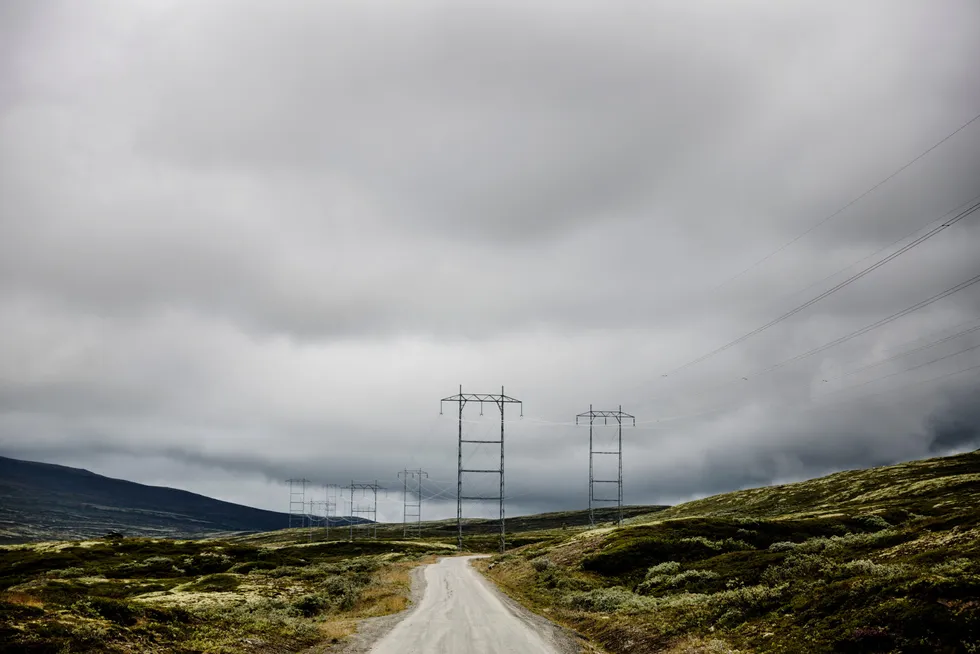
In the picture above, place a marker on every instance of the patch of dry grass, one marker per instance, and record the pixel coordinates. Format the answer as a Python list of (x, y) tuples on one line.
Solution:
[(696, 645), (22, 599), (388, 591), (334, 631)]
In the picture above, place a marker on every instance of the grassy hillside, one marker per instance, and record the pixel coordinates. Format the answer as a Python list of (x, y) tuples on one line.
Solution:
[(916, 486), (881, 560)]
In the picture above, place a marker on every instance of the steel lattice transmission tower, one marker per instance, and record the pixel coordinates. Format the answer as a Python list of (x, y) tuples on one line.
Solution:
[(605, 416), (370, 509), (297, 501), (501, 401), (412, 509)]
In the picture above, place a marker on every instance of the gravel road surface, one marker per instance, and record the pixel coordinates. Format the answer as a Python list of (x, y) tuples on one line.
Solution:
[(461, 612)]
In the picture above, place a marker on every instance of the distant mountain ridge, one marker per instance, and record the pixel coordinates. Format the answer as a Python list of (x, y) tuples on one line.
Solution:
[(44, 501)]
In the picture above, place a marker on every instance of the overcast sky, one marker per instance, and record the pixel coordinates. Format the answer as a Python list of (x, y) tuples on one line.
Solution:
[(245, 241)]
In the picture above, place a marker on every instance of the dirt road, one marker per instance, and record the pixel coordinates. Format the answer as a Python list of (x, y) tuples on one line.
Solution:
[(462, 612)]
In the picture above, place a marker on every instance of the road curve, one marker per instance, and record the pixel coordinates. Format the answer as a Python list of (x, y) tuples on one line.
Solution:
[(461, 612)]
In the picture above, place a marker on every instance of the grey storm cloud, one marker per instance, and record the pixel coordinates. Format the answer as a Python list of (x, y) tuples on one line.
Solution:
[(243, 241)]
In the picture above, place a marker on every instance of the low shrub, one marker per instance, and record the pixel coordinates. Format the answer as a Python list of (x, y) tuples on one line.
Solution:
[(249, 566), (541, 563), (67, 573), (626, 557), (954, 567), (689, 579), (281, 571), (205, 563), (216, 583), (724, 545), (312, 605), (873, 522), (117, 611), (857, 541), (866, 568), (665, 568), (344, 590), (797, 567), (609, 600)]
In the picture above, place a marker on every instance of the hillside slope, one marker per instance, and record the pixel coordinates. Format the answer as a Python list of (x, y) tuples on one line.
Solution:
[(905, 486), (880, 560), (41, 501)]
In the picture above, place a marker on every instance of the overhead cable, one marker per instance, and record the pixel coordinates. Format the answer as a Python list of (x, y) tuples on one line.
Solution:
[(902, 355), (847, 282), (875, 325), (849, 204)]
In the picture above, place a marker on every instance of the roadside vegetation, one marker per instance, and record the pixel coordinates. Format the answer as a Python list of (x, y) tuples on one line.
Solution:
[(883, 560), (142, 595), (279, 591)]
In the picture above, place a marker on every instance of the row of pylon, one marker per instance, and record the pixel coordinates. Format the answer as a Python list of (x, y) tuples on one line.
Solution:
[(312, 513)]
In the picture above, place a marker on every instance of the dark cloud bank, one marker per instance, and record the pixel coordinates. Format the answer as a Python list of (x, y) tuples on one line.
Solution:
[(241, 242)]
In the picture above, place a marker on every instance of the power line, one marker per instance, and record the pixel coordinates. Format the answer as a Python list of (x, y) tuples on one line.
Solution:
[(838, 341), (875, 325), (849, 204), (902, 372), (847, 282), (810, 405), (947, 375), (869, 256), (926, 337), (866, 367), (820, 281), (908, 352)]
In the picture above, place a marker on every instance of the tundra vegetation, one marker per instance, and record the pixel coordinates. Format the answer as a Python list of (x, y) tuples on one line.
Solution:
[(880, 560), (143, 595), (279, 591)]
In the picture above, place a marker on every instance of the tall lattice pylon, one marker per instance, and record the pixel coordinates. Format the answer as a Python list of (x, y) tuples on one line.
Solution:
[(297, 501), (618, 415), (462, 400), (412, 512)]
